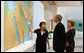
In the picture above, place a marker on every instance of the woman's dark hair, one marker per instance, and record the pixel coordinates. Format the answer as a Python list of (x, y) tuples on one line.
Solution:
[(41, 24)]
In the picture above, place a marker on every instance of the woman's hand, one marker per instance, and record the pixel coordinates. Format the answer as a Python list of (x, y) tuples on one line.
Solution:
[(30, 29), (28, 22), (48, 47), (67, 44), (48, 43)]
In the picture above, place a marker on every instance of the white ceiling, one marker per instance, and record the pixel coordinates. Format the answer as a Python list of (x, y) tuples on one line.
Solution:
[(63, 3)]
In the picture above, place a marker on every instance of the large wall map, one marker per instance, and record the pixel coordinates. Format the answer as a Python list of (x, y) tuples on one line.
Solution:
[(16, 14)]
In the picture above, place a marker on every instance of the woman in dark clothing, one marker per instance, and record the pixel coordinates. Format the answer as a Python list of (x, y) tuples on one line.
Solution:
[(70, 43), (42, 37)]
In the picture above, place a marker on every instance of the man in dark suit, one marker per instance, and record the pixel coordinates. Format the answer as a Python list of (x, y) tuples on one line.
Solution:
[(59, 37)]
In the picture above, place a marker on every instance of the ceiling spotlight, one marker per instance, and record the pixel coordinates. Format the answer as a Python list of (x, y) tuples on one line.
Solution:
[(81, 2), (52, 2)]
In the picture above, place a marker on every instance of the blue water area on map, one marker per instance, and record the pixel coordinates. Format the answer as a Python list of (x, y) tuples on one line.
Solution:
[(11, 5), (24, 3), (17, 33)]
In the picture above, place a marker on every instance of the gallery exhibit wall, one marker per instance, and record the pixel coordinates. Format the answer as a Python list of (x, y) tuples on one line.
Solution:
[(38, 16), (2, 26), (16, 14)]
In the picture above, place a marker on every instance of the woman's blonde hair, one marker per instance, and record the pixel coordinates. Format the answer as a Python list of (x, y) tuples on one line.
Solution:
[(72, 22)]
